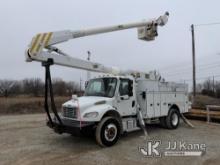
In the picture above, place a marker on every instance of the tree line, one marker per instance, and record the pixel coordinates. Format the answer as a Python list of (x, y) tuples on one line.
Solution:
[(209, 87), (35, 87)]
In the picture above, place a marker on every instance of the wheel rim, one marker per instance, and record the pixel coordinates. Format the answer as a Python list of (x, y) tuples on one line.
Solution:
[(110, 132), (175, 119)]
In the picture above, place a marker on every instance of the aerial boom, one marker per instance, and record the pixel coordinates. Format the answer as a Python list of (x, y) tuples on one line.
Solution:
[(42, 46)]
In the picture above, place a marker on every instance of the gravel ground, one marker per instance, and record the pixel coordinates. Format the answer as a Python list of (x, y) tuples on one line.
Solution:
[(24, 140)]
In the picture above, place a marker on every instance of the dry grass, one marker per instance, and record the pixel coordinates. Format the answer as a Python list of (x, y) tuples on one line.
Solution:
[(201, 101), (25, 104)]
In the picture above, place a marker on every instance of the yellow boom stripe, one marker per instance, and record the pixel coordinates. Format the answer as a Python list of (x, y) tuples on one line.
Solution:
[(48, 38), (41, 41), (35, 42)]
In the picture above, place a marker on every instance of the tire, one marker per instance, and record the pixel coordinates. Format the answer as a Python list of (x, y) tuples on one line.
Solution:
[(163, 122), (107, 137), (173, 119)]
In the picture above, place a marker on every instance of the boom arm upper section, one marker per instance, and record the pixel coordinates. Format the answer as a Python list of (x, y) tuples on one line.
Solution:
[(41, 48)]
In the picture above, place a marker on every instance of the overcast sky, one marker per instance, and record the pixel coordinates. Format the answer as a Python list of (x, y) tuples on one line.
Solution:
[(170, 53)]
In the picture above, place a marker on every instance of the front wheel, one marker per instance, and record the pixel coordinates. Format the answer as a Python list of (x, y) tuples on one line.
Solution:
[(108, 131)]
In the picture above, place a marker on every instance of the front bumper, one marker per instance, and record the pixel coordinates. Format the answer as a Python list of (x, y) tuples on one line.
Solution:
[(70, 126)]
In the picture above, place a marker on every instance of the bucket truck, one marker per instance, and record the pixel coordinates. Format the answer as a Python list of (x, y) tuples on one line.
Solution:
[(119, 101)]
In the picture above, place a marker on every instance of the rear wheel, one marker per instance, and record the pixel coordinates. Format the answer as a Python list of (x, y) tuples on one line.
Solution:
[(108, 131), (173, 119)]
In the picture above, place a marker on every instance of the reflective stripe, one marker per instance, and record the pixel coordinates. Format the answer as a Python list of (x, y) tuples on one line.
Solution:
[(41, 41), (48, 38), (35, 42)]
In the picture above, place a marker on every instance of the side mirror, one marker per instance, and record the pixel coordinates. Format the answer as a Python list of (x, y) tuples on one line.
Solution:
[(125, 97)]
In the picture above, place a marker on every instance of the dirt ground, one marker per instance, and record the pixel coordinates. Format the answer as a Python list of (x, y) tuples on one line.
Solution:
[(24, 140)]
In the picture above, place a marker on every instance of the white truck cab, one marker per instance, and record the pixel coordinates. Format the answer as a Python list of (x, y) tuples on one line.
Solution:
[(103, 94)]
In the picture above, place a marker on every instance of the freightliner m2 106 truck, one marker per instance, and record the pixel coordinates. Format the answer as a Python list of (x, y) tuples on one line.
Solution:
[(119, 101)]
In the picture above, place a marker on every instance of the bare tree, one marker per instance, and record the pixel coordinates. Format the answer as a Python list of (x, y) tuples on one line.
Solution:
[(208, 88), (33, 86), (217, 89), (6, 87), (72, 87), (207, 85), (59, 87), (199, 88)]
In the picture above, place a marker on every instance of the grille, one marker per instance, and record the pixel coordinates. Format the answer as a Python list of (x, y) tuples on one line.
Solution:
[(70, 112)]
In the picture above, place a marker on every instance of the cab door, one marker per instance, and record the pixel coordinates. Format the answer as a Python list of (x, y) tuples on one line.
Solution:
[(126, 99)]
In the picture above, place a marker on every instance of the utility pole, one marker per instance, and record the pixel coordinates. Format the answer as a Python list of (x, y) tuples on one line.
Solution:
[(88, 72), (193, 61)]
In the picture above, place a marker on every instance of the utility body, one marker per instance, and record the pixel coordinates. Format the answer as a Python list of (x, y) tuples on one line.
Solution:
[(119, 101)]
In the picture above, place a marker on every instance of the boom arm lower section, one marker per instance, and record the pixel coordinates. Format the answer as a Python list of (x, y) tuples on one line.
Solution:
[(68, 61)]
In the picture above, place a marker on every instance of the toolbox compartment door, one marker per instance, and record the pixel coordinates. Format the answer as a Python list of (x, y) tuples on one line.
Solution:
[(150, 104), (157, 104)]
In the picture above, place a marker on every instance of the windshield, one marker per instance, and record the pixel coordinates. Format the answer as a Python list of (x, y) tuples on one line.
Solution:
[(104, 87)]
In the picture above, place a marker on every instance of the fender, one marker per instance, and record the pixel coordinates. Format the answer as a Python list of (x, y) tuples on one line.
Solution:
[(101, 109), (175, 106)]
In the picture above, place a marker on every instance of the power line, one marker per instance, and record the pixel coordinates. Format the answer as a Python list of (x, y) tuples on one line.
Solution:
[(203, 67), (189, 71), (214, 64), (202, 78), (208, 24), (187, 64), (181, 75)]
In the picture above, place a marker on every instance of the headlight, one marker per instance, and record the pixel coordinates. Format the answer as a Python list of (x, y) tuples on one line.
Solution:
[(91, 115)]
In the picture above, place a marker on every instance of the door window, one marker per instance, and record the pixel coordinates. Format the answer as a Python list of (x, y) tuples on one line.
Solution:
[(124, 88)]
